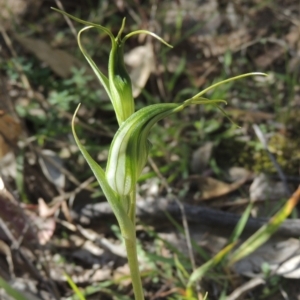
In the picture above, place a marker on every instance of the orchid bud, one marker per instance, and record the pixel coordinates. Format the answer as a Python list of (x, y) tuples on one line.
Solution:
[(119, 81)]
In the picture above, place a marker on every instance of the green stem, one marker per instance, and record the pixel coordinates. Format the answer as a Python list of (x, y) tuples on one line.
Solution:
[(132, 252), (132, 206), (134, 267)]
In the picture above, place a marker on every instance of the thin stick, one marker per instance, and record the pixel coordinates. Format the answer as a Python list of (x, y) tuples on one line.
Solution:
[(69, 22), (244, 288)]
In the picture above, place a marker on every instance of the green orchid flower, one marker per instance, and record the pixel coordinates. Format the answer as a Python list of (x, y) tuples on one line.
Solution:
[(129, 149), (130, 146)]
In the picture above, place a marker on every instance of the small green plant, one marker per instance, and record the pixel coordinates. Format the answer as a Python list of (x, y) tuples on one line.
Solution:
[(129, 149)]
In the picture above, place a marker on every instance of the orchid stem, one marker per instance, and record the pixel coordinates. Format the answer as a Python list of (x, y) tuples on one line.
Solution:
[(134, 267)]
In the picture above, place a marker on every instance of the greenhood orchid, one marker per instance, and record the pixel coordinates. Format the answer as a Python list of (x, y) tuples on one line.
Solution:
[(129, 149)]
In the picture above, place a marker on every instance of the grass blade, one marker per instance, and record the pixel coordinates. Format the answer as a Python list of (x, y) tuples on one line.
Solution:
[(218, 258), (265, 232), (74, 287), (11, 291), (241, 224)]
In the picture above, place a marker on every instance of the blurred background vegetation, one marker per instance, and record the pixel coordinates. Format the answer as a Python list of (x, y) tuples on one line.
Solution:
[(198, 155)]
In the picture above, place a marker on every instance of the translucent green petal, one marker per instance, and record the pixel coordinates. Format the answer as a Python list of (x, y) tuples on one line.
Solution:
[(129, 149), (120, 83)]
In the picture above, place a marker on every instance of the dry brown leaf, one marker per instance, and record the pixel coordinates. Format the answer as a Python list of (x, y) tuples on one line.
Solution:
[(5, 249), (218, 45), (283, 258), (59, 61), (141, 60), (46, 229), (79, 275), (15, 225), (293, 37), (201, 158), (15, 9), (191, 12), (10, 130), (41, 217), (243, 289), (210, 242), (262, 188), (294, 66), (269, 57), (52, 165), (116, 249), (12, 7), (248, 115), (238, 173), (44, 210), (210, 188), (122, 275)]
